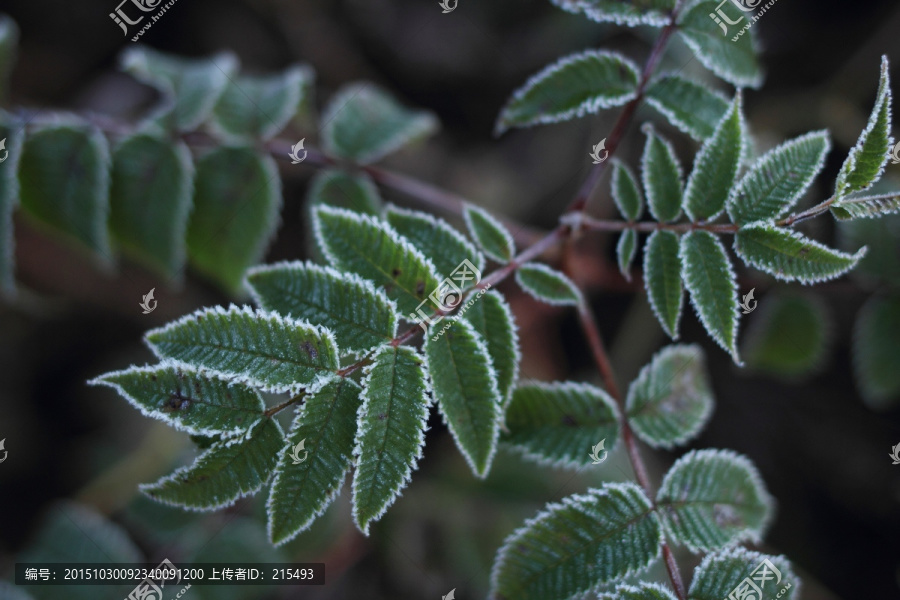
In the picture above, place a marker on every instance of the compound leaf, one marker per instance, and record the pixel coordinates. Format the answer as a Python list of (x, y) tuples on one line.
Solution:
[(359, 316), (713, 498), (671, 400), (572, 87), (654, 12), (625, 251), (865, 163), (662, 176), (374, 250), (229, 470), (392, 423), (720, 49), (489, 234), (64, 183), (778, 179), (573, 546), (788, 336), (192, 86), (464, 384), (237, 201), (492, 317), (558, 424), (691, 107), (876, 361), (257, 108), (150, 200), (710, 279), (446, 247), (722, 572), (340, 189), (364, 123), (259, 348), (662, 277), (625, 192), (716, 166), (188, 399), (790, 256), (866, 207), (547, 285), (301, 491)]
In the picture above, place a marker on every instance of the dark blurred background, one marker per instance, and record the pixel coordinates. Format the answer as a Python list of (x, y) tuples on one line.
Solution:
[(821, 451)]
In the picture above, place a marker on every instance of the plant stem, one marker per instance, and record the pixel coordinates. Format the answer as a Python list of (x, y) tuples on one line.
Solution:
[(580, 203), (277, 409)]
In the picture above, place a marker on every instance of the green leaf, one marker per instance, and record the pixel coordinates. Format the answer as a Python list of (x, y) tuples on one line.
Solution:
[(490, 235), (662, 277), (690, 106), (150, 200), (865, 163), (779, 179), (557, 424), (257, 108), (572, 546), (372, 249), (228, 471), (492, 317), (464, 384), (187, 399), (790, 256), (625, 192), (326, 424), (547, 285), (716, 167), (261, 349), (866, 207), (340, 189), (722, 51), (788, 337), (442, 244), (881, 264), (364, 123), (574, 86), (671, 400), (192, 86), (359, 316), (722, 572), (662, 177), (713, 498), (64, 183), (237, 200), (710, 279), (392, 423), (876, 362), (9, 45), (651, 12), (625, 251), (14, 134), (641, 591)]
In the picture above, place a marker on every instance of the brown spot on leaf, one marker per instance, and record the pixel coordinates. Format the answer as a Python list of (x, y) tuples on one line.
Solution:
[(382, 417), (568, 421), (395, 273), (310, 350), (175, 403), (420, 288)]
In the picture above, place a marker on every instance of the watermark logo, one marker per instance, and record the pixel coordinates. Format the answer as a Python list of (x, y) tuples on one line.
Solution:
[(296, 159), (895, 453), (295, 453), (448, 8), (751, 588), (148, 298), (5, 151), (449, 596), (3, 447), (595, 452), (148, 590), (595, 154), (745, 302), (447, 296), (895, 154), (122, 19)]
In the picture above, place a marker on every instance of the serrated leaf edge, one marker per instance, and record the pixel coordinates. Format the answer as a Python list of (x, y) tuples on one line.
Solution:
[(536, 266)]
